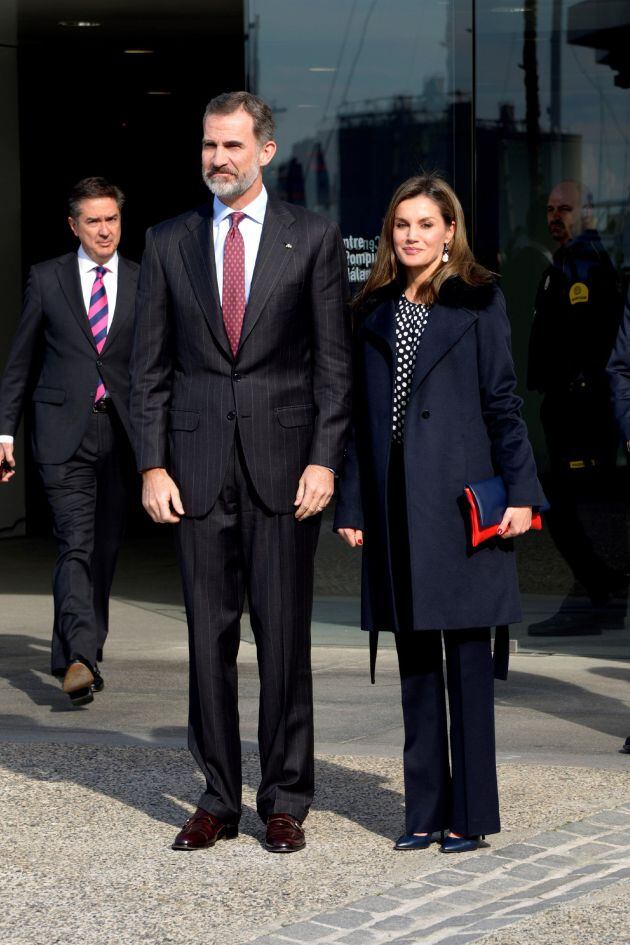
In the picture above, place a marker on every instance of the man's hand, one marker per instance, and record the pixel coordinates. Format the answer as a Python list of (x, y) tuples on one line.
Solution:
[(351, 536), (315, 490), (515, 522), (160, 497), (7, 462)]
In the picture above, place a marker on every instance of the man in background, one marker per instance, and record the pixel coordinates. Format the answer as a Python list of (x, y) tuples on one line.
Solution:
[(577, 315), (69, 361)]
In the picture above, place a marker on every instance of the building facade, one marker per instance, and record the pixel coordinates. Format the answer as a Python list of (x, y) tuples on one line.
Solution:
[(507, 98)]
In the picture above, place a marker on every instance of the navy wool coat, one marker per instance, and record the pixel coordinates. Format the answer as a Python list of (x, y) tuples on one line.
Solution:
[(462, 424)]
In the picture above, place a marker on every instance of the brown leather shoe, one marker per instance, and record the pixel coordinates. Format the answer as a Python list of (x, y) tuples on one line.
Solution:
[(77, 682), (203, 830), (284, 834)]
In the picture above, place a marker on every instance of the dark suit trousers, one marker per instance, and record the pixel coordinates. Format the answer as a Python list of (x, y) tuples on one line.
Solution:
[(463, 796), (238, 547), (87, 498)]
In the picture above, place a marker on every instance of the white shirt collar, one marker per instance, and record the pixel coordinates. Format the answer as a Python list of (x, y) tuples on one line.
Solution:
[(86, 264), (254, 210)]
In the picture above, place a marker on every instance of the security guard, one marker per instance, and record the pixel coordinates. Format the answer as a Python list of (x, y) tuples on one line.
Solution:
[(578, 311)]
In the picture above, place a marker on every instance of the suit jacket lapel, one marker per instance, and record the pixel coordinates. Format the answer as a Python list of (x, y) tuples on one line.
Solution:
[(197, 251), (273, 256), (125, 296), (68, 275), (444, 329)]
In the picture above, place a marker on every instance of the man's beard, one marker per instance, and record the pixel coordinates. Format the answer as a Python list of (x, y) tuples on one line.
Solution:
[(234, 187)]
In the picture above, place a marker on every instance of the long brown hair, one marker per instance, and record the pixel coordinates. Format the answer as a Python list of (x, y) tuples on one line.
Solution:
[(387, 269)]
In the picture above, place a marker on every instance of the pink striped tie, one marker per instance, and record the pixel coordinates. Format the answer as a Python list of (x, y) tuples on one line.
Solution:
[(97, 317)]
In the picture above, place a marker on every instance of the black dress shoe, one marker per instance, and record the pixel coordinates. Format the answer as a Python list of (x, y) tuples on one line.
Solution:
[(284, 834), (626, 747), (77, 683), (99, 683), (462, 844), (203, 830)]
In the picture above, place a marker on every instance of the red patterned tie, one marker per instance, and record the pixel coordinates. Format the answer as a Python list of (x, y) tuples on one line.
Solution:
[(97, 316), (234, 282)]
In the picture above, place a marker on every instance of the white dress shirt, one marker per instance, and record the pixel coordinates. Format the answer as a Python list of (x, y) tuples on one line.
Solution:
[(251, 228), (87, 276)]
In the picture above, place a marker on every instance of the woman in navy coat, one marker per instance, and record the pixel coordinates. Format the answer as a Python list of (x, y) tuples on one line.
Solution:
[(435, 408)]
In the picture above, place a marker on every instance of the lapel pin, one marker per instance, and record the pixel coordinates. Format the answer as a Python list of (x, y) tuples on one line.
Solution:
[(288, 245)]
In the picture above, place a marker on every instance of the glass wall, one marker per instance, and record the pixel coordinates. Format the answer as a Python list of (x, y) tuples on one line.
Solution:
[(552, 132), (366, 93)]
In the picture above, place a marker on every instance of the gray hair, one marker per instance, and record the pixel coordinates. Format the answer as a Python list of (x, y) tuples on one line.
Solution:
[(90, 188), (229, 102)]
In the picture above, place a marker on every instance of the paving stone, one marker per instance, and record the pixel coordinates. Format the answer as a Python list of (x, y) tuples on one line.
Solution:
[(271, 940), (464, 897), (553, 838), (434, 911), (531, 909), (364, 937), (519, 851), (489, 925), (393, 923), (501, 884), (454, 939), (531, 892), (586, 869), (583, 829), (411, 892), (621, 839), (305, 932), (449, 878), (483, 864), (344, 918), (558, 861), (614, 818), (532, 871), (376, 904)]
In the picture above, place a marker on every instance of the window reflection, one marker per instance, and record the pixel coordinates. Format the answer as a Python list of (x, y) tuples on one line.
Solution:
[(553, 149), (366, 93)]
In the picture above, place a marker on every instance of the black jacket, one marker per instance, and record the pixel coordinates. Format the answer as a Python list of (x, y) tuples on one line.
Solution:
[(287, 390), (53, 361)]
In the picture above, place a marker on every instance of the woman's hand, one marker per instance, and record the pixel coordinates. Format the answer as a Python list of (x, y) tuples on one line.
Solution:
[(515, 522), (351, 536)]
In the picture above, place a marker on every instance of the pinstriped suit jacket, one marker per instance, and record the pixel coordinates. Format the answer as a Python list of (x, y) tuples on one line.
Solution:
[(288, 388)]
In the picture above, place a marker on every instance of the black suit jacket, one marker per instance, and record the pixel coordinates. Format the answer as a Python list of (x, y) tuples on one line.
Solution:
[(53, 360), (288, 388)]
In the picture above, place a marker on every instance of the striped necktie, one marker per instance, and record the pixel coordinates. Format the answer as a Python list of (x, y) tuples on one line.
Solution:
[(97, 317)]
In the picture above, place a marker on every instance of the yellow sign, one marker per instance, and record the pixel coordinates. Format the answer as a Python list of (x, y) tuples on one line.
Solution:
[(578, 293)]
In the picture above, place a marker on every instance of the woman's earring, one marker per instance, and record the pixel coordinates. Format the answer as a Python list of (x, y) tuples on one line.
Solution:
[(445, 253)]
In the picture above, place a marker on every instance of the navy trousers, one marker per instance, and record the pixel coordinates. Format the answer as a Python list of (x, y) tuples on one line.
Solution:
[(461, 796)]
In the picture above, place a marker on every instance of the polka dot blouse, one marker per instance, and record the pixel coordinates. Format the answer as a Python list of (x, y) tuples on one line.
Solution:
[(411, 320)]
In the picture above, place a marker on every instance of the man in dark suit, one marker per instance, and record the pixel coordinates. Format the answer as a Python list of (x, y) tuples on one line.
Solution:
[(70, 359), (577, 315), (240, 406)]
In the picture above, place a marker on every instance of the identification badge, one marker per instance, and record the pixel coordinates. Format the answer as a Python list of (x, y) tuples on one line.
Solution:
[(578, 293)]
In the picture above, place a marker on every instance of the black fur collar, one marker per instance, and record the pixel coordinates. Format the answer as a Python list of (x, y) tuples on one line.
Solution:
[(455, 293)]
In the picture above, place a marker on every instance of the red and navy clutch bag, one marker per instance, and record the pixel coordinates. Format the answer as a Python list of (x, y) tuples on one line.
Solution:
[(488, 501)]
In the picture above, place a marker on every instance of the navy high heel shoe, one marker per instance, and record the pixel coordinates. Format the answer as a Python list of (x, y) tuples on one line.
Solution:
[(411, 841), (462, 844)]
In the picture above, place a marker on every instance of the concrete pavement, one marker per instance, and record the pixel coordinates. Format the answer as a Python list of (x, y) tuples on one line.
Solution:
[(91, 798)]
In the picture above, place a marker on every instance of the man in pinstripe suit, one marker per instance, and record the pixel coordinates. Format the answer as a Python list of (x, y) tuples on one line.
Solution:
[(240, 406)]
